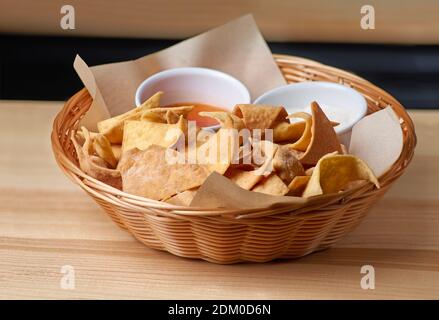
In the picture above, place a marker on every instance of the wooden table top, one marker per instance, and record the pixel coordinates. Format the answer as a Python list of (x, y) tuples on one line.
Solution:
[(47, 222)]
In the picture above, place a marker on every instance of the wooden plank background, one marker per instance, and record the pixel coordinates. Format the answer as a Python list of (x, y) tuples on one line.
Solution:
[(397, 21)]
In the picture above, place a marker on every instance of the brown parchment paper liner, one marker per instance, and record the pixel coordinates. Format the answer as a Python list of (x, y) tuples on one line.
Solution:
[(236, 48)]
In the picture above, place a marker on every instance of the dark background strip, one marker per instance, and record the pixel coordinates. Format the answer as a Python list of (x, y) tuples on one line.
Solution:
[(40, 68)]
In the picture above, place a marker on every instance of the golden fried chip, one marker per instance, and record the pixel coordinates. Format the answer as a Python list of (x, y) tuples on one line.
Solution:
[(298, 185), (227, 120), (218, 151), (260, 116), (93, 165), (142, 134), (112, 128), (324, 140), (117, 151), (169, 115), (103, 149), (334, 171), (272, 185), (150, 174), (285, 131), (286, 165), (244, 179), (303, 142), (183, 198)]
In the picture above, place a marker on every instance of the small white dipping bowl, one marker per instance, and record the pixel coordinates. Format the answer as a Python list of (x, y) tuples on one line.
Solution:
[(194, 85), (340, 103)]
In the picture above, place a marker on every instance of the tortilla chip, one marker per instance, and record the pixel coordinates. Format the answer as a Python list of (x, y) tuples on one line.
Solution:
[(112, 128), (244, 179), (272, 185), (334, 171), (103, 149), (260, 116), (285, 131), (298, 185), (219, 151), (286, 165), (117, 151), (305, 139), (142, 134), (169, 115), (183, 198), (147, 173), (226, 120), (324, 140), (93, 165), (262, 156)]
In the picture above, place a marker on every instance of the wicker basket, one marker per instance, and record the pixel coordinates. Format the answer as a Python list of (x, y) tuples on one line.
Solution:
[(230, 236)]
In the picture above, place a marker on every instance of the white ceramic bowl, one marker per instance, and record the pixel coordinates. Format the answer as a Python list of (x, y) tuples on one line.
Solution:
[(340, 103), (197, 85)]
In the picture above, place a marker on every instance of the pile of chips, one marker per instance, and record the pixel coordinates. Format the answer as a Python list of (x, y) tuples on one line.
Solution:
[(146, 152)]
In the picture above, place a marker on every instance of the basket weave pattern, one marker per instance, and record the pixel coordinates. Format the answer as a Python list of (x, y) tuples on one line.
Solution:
[(232, 235)]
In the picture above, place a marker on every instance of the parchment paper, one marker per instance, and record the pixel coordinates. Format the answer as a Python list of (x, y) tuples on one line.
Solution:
[(236, 48)]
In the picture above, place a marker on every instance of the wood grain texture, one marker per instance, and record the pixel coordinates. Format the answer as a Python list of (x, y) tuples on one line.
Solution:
[(397, 21), (47, 222)]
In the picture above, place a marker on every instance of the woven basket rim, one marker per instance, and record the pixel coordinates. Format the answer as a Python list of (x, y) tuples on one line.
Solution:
[(117, 197)]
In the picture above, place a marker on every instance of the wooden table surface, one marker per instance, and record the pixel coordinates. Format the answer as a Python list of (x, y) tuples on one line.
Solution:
[(47, 222)]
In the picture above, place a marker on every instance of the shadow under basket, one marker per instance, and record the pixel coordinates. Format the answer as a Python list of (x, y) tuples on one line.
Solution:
[(236, 235)]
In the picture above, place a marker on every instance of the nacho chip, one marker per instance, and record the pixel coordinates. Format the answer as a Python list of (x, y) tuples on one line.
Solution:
[(93, 165), (298, 185), (260, 116), (117, 151), (147, 173), (286, 165), (334, 171), (219, 151), (303, 142), (272, 185), (226, 120), (103, 149), (244, 179), (285, 131), (112, 128), (142, 134), (324, 140), (169, 115), (183, 198)]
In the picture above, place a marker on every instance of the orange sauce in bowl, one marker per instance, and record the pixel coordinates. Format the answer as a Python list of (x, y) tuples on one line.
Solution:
[(199, 107)]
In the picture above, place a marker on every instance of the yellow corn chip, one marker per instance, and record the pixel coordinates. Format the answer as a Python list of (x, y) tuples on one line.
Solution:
[(148, 173), (92, 165), (227, 120), (244, 179), (260, 116), (324, 140), (334, 171), (183, 198), (286, 165), (298, 185), (103, 149), (168, 115), (305, 138), (285, 131), (142, 134), (112, 128), (272, 185)]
